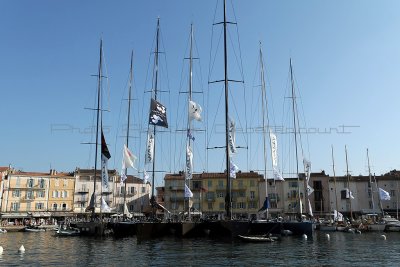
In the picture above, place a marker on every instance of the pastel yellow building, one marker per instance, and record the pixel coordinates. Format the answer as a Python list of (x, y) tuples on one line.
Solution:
[(209, 192)]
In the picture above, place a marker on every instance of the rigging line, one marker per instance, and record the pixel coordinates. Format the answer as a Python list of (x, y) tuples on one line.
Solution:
[(215, 117)]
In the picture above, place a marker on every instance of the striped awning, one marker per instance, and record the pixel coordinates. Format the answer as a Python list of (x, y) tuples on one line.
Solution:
[(15, 215)]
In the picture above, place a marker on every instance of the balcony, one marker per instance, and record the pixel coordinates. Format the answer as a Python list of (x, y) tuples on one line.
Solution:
[(27, 198), (82, 191)]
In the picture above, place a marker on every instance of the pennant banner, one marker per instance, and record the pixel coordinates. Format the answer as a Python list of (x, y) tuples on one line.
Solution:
[(158, 114), (310, 209), (231, 136), (194, 111), (188, 192), (189, 162), (274, 151), (150, 148)]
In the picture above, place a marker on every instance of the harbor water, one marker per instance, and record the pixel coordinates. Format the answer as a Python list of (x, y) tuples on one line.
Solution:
[(340, 249)]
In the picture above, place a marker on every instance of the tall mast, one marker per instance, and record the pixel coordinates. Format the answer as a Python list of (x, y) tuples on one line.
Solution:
[(370, 183), (295, 134), (189, 123), (129, 120), (99, 76), (152, 200), (228, 201), (334, 180), (348, 183), (264, 109)]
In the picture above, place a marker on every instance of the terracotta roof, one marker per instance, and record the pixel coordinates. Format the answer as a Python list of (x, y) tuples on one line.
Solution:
[(208, 175), (46, 174), (131, 180), (2, 169)]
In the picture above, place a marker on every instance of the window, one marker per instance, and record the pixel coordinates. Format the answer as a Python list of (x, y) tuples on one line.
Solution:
[(242, 194), (220, 194), (220, 183), (55, 206), (392, 193), (56, 182), (241, 205), (132, 190), (143, 189), (41, 183), (344, 194), (196, 184), (30, 183), (210, 206), (18, 183), (292, 184), (209, 183), (39, 206), (65, 194), (252, 194), (40, 193), (252, 205), (64, 206), (29, 194), (16, 193), (15, 206), (131, 207), (240, 182), (222, 206), (65, 183), (28, 206), (252, 183)]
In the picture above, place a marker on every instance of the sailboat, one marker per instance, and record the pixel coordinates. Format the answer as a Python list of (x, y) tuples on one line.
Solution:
[(127, 226), (157, 118), (96, 226), (194, 113), (300, 226)]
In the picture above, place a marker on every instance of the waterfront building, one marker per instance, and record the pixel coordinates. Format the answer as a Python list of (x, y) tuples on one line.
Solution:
[(61, 194), (84, 188), (137, 195), (209, 194), (26, 195)]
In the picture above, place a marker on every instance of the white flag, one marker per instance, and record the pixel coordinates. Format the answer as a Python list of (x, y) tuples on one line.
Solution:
[(194, 111), (188, 193), (129, 159), (310, 190), (233, 170), (337, 216), (231, 136), (277, 175), (349, 194), (189, 162), (383, 195), (300, 206), (150, 148), (145, 177), (274, 151)]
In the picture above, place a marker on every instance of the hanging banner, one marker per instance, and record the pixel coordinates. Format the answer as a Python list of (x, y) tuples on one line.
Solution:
[(149, 148), (158, 114), (189, 162), (274, 146)]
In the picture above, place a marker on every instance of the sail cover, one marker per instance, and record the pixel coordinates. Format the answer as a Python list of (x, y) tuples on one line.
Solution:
[(105, 156), (158, 114)]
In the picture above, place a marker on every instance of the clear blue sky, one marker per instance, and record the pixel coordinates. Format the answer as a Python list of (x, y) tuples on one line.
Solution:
[(346, 57)]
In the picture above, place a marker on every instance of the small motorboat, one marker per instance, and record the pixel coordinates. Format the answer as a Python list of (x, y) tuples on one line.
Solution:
[(258, 238), (3, 231), (68, 231), (33, 228)]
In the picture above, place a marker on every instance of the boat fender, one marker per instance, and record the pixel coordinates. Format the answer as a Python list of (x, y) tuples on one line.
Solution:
[(383, 237), (328, 236), (1, 250), (21, 249), (304, 236)]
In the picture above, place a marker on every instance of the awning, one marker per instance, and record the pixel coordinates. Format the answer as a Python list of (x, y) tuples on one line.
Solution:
[(62, 214), (41, 214), (15, 215)]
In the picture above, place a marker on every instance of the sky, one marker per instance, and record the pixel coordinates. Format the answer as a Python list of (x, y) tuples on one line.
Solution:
[(345, 55)]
